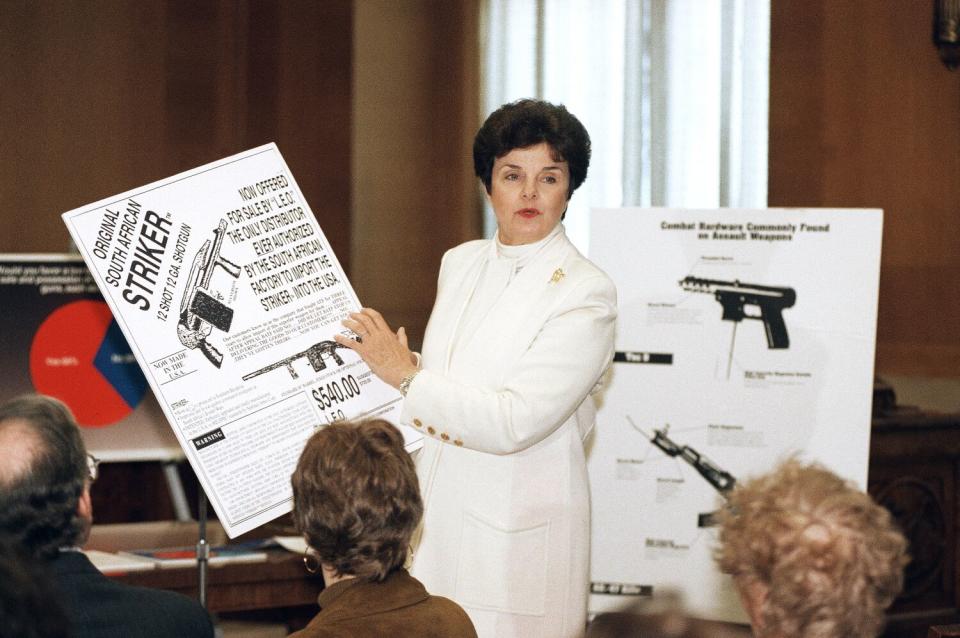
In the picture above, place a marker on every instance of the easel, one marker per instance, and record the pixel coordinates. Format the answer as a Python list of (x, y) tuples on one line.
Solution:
[(203, 548), (178, 497)]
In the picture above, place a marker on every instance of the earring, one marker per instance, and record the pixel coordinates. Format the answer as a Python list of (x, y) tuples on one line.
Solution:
[(310, 561)]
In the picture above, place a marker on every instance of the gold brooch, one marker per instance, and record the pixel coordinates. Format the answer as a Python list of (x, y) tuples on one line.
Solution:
[(558, 274)]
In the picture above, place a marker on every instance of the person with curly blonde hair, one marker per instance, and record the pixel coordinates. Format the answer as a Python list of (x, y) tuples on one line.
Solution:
[(812, 556)]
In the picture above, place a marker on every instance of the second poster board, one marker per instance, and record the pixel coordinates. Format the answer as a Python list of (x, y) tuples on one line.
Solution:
[(743, 337)]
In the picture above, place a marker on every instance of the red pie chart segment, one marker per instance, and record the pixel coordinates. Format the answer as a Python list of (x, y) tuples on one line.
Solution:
[(62, 363)]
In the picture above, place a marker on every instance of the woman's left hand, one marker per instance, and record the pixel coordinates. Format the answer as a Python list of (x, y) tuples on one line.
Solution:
[(383, 350)]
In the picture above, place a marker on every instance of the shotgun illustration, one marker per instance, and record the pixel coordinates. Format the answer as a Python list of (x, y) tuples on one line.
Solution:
[(719, 479), (202, 309), (315, 356)]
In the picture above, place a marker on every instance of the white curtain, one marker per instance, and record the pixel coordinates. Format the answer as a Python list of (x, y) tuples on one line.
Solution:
[(673, 93)]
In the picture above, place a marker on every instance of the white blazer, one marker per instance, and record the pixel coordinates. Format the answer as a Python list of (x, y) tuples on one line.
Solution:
[(506, 530)]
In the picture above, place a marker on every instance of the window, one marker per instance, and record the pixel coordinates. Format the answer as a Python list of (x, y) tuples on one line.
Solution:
[(673, 93)]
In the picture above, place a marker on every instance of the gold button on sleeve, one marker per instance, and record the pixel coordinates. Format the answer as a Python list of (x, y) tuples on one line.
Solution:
[(444, 436), (458, 443), (418, 423), (431, 430)]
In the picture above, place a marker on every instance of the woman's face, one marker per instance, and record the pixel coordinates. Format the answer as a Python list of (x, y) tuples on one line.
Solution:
[(528, 192)]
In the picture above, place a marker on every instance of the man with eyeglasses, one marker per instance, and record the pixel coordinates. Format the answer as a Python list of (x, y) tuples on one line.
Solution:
[(45, 510)]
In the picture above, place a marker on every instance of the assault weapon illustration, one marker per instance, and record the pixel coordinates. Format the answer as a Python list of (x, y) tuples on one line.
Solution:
[(314, 354), (735, 295), (719, 479), (202, 309)]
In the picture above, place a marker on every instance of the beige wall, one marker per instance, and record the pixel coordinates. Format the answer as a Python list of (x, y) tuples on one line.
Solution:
[(415, 112)]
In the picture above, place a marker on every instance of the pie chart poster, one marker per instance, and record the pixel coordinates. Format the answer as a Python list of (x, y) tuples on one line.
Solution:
[(60, 339)]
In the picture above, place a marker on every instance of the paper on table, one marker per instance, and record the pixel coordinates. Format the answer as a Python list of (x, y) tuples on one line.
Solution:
[(295, 544), (186, 556), (110, 563)]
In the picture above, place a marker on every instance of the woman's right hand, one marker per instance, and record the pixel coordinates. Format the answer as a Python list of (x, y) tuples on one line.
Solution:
[(380, 348)]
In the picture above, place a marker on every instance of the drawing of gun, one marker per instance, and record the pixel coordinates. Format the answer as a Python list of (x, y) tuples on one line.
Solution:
[(734, 295), (721, 480), (200, 309), (314, 354)]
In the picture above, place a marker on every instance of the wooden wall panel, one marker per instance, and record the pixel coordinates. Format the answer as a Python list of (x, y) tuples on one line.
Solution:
[(81, 111), (416, 111), (864, 114), (102, 96), (315, 109)]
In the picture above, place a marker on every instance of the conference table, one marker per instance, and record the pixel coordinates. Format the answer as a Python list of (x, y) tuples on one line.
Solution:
[(280, 583)]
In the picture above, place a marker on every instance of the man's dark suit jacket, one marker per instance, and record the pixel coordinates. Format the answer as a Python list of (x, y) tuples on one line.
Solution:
[(99, 607)]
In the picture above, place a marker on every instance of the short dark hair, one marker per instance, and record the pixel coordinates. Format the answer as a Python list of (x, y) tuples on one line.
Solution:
[(38, 506), (356, 498), (526, 123)]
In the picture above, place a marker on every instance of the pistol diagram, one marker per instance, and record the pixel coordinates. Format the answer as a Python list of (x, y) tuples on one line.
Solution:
[(735, 295), (315, 355), (202, 308), (719, 479)]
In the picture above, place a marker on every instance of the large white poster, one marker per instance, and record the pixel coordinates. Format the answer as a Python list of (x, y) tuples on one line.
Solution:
[(229, 295), (744, 336)]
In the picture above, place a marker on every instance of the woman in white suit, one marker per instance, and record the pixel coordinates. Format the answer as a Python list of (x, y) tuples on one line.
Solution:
[(520, 336)]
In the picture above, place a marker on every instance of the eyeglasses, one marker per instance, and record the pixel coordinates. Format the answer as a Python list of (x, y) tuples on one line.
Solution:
[(93, 463)]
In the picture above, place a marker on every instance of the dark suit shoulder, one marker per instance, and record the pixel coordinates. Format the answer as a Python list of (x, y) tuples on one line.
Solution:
[(100, 607)]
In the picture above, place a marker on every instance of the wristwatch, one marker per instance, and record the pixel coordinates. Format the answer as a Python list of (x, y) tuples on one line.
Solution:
[(406, 381)]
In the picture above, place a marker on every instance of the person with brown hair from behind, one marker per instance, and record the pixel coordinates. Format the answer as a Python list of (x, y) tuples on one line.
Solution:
[(356, 500)]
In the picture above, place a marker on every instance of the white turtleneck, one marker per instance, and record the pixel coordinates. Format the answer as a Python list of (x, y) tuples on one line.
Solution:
[(497, 271)]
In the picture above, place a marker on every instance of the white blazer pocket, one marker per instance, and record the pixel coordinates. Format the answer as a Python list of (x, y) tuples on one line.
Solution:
[(502, 570)]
